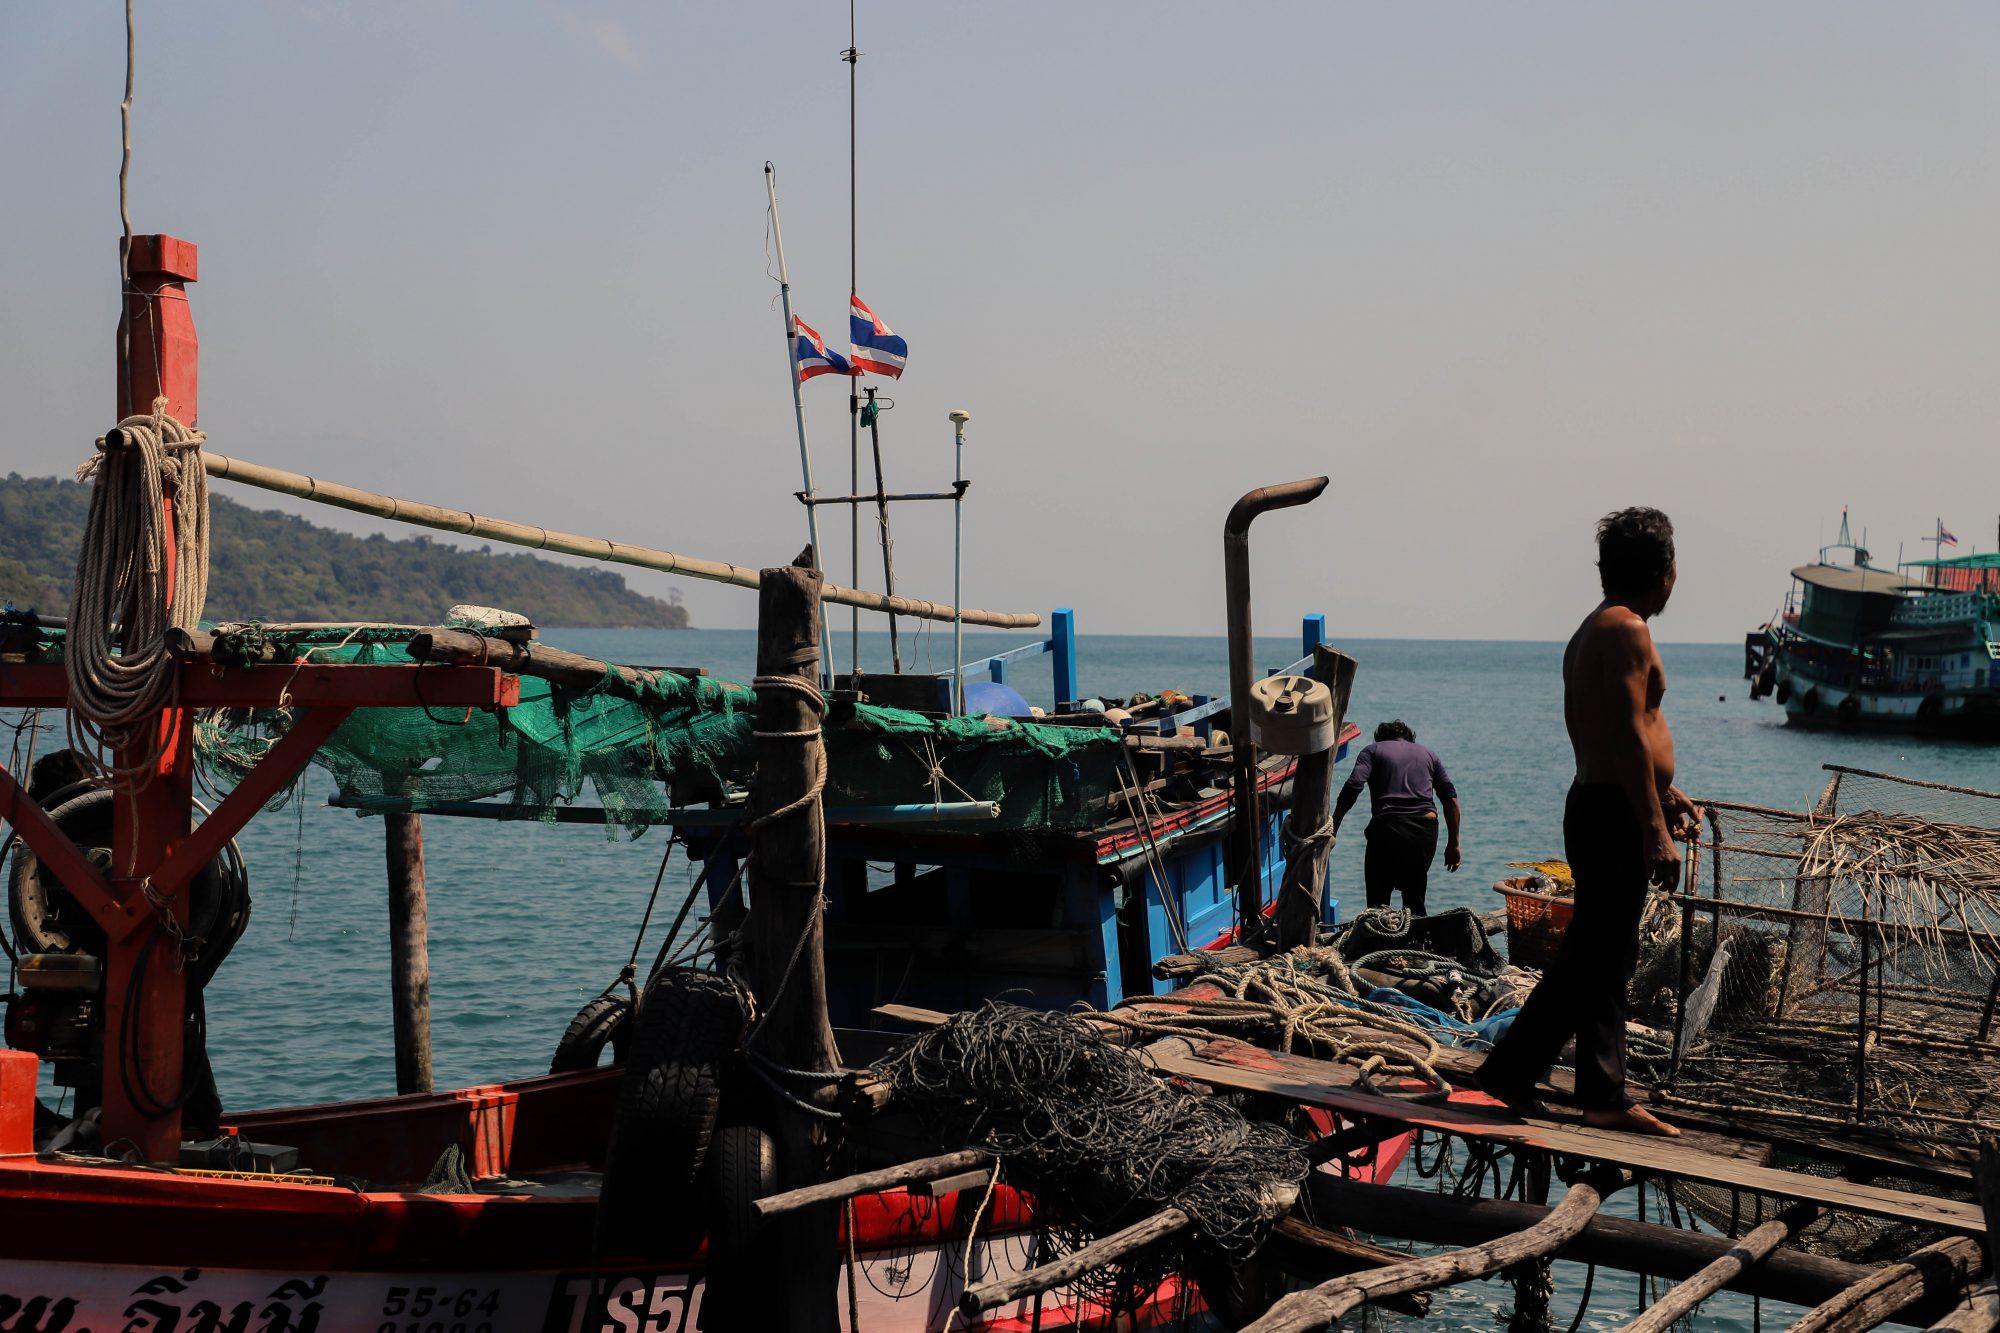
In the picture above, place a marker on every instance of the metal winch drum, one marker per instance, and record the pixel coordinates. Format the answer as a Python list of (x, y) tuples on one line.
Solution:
[(1292, 715)]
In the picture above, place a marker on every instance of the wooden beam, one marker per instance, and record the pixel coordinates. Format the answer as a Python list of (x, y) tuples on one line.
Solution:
[(409, 951), (43, 685), (964, 1180), (1297, 1245), (1241, 1067), (1949, 1265), (1304, 882), (1308, 1311), (55, 850), (1063, 1271), (463, 647), (1749, 1250), (1986, 1179), (871, 1182)]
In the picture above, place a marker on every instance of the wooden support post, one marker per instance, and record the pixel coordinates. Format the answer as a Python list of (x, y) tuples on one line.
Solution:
[(1105, 1249), (787, 964), (1986, 1178), (1301, 894), (869, 1182), (1949, 1265), (1747, 1252), (409, 951), (1305, 1311)]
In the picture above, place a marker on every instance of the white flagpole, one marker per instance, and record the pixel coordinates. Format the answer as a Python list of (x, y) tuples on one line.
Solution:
[(799, 413)]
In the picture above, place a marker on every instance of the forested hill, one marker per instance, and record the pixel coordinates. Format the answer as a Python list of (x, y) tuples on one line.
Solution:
[(264, 565)]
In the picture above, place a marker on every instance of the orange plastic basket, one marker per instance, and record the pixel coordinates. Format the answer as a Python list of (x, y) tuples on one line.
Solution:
[(1536, 921)]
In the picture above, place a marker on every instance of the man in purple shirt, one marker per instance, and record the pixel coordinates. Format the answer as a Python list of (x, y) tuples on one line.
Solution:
[(1405, 782)]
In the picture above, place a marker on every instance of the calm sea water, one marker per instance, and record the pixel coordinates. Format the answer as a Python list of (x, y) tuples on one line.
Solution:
[(530, 921)]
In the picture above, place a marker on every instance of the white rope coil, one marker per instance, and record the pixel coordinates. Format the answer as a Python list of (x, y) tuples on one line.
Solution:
[(122, 591)]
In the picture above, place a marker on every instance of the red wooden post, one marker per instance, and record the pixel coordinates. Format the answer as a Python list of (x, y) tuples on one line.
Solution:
[(145, 984), (156, 331)]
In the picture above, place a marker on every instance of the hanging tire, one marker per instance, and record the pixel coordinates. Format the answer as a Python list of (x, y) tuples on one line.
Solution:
[(1931, 707), (1784, 694), (606, 1020), (1809, 703), (688, 1025), (742, 1168), (47, 918), (1849, 709)]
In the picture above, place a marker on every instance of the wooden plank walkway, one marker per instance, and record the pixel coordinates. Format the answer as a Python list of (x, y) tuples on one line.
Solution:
[(1241, 1067)]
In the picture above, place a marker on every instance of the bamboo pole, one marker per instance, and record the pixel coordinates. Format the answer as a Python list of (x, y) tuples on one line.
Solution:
[(570, 543), (1305, 1311)]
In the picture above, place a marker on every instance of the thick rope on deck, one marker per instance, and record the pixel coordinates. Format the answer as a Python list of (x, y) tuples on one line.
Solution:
[(1101, 1143), (120, 673)]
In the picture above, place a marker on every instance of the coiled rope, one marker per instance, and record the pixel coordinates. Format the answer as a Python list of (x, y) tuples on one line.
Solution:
[(123, 599)]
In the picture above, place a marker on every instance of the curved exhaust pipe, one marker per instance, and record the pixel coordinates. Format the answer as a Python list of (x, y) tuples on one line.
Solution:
[(1242, 670)]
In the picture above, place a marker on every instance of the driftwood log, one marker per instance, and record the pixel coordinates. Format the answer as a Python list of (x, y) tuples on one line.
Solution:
[(1308, 1311), (550, 664), (867, 1182), (1749, 1250), (1302, 1249), (1949, 1265), (1063, 1271)]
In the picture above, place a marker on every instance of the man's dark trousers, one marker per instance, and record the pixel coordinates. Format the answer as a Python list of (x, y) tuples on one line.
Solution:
[(1583, 992), (1400, 851)]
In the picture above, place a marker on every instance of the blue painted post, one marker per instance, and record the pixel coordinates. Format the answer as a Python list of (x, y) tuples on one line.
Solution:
[(1315, 634), (1206, 726), (1062, 642), (997, 670)]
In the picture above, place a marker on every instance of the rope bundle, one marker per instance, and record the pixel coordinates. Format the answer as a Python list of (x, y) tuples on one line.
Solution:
[(122, 591)]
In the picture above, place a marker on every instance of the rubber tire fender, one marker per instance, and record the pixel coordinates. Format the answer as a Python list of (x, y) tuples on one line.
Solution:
[(742, 1168), (606, 1020), (37, 902), (1809, 702), (689, 1023), (1930, 707), (1784, 693), (1849, 708)]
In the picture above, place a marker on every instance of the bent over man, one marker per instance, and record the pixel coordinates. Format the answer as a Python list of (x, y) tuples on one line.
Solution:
[(1619, 828), (1403, 779)]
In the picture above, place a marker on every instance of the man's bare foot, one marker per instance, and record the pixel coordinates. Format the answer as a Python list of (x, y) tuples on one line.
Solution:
[(1633, 1119)]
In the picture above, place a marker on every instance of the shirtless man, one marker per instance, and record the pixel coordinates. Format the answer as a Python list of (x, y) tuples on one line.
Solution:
[(1620, 827)]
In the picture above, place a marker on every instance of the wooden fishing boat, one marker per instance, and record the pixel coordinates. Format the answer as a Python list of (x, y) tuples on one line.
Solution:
[(1915, 649)]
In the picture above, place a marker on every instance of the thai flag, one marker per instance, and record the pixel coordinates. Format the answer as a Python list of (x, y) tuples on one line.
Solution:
[(876, 348), (1944, 535), (810, 353)]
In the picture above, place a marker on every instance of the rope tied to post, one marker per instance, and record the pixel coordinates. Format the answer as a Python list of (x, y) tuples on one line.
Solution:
[(120, 672)]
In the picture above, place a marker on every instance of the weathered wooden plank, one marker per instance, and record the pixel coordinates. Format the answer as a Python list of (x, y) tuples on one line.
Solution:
[(1242, 1067)]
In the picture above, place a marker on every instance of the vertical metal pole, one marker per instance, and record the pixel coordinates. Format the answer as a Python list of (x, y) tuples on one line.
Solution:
[(882, 520), (958, 560), (852, 55), (798, 403)]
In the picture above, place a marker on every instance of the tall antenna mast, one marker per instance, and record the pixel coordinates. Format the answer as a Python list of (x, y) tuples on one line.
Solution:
[(852, 55), (799, 410)]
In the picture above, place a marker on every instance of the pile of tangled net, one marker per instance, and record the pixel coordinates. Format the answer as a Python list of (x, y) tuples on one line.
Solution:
[(1101, 1143)]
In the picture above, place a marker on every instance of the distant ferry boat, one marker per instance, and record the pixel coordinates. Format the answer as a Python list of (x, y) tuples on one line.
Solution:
[(1914, 649)]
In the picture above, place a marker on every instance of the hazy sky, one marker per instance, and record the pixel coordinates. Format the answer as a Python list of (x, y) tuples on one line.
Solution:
[(1496, 268)]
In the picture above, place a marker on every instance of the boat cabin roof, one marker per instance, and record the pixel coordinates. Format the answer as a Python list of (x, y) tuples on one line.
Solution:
[(1850, 578)]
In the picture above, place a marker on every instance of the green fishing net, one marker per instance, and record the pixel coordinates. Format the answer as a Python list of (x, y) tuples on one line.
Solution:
[(630, 751)]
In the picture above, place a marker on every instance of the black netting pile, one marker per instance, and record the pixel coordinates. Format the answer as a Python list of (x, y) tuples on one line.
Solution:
[(1082, 1124)]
